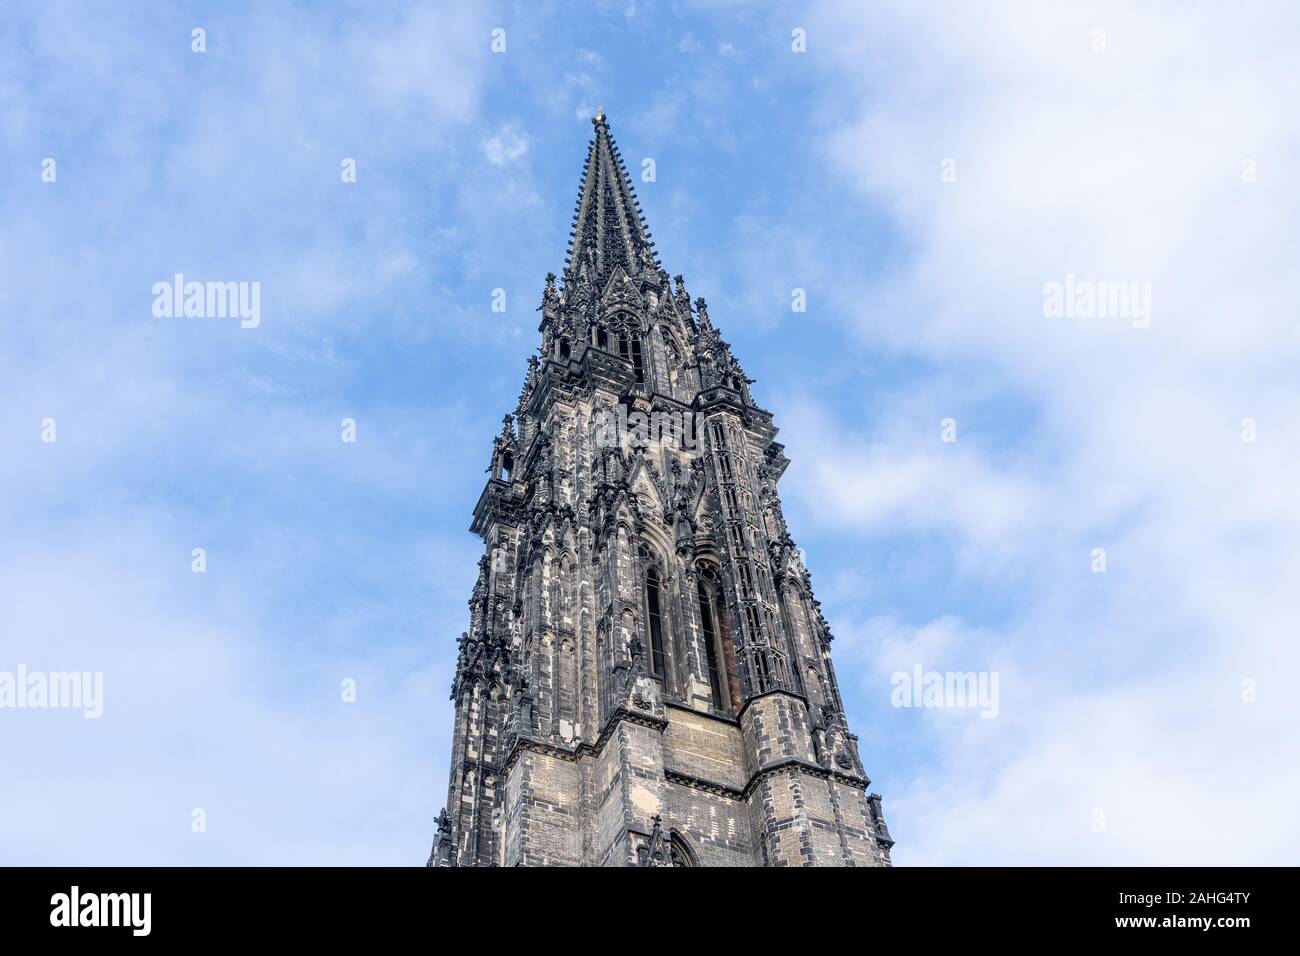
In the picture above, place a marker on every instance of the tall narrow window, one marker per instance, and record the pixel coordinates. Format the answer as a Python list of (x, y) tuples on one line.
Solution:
[(636, 359), (680, 853), (656, 623), (630, 349), (710, 645), (720, 656), (670, 347)]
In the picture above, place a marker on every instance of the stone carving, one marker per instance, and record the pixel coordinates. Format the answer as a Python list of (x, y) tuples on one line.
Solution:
[(579, 665)]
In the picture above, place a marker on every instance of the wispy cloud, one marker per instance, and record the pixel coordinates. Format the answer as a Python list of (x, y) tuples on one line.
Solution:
[(1122, 691), (505, 146), (1134, 685)]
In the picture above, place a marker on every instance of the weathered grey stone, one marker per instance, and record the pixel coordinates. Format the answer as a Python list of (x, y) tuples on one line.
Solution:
[(646, 679)]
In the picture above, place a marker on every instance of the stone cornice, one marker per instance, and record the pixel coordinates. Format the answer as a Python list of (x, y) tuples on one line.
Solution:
[(768, 693), (804, 766), (700, 783), (711, 714), (775, 767), (572, 754)]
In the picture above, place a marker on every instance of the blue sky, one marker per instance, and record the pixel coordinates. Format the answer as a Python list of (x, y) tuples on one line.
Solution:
[(1120, 692)]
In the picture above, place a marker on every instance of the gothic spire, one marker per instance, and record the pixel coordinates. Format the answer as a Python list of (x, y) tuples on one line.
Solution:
[(608, 228), (638, 579)]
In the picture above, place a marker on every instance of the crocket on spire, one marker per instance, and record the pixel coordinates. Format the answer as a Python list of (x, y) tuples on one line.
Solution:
[(608, 228)]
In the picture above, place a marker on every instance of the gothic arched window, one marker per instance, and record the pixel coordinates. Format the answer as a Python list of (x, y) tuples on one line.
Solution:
[(655, 621), (679, 853), (719, 654), (637, 366), (629, 347), (674, 354), (710, 642)]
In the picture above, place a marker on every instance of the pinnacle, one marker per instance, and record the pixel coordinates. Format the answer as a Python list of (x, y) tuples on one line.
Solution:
[(608, 228)]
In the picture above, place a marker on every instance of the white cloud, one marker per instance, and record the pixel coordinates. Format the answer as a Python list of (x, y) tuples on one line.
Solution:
[(206, 705), (1120, 692), (1122, 165), (222, 689), (505, 146), (904, 480)]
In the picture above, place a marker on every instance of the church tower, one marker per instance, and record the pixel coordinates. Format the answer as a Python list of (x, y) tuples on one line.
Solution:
[(646, 679)]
